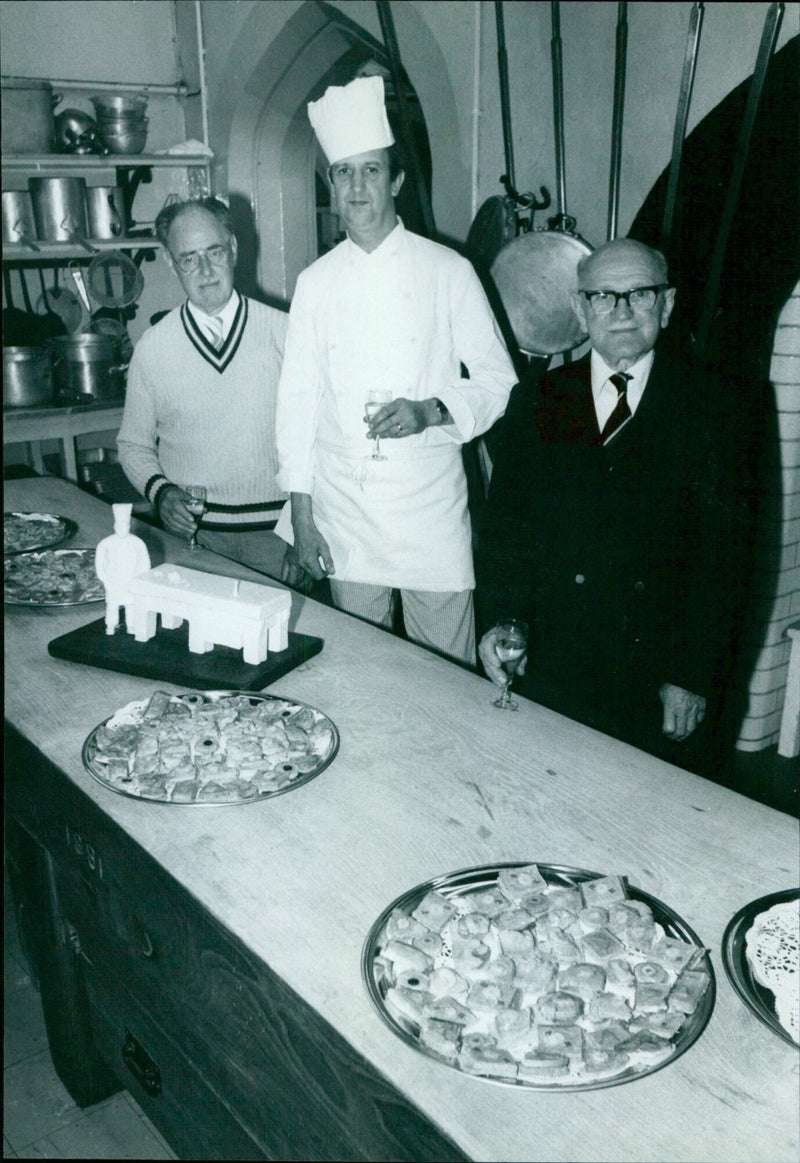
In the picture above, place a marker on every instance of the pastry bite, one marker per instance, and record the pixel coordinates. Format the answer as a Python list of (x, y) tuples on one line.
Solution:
[(413, 979), (687, 991), (513, 919), (517, 883), (603, 891), (516, 942), (491, 1061), (409, 1003), (405, 956), (649, 973), (664, 1024), (582, 979), (447, 1009), (515, 1030), (592, 918), (649, 999), (473, 925), (647, 1047), (601, 945), (562, 1040), (446, 983), (558, 1008), (619, 977), (607, 1007), (185, 791), (500, 969), (676, 955), (540, 1065), (565, 898), (604, 1061), (429, 943), (490, 996), (469, 954), (534, 976), (442, 1037), (433, 911), (490, 901), (400, 927)]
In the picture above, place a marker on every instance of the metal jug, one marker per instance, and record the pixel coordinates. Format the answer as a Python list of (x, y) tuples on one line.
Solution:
[(105, 207)]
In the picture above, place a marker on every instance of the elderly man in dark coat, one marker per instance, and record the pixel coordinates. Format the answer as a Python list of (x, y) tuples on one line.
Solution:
[(605, 521)]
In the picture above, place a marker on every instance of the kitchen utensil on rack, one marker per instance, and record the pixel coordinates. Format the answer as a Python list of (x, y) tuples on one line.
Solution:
[(17, 216), (616, 124), (502, 217), (27, 377), (52, 322), (87, 365), (75, 132), (59, 208), (62, 302), (105, 207), (681, 120), (80, 285), (121, 122), (537, 272), (113, 279)]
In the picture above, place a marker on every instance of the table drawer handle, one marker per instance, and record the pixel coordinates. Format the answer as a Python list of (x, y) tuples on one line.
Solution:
[(141, 1066)]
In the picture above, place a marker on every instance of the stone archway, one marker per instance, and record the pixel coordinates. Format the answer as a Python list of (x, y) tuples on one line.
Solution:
[(271, 153)]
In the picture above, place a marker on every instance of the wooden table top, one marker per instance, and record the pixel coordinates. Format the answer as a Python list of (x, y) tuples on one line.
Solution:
[(430, 778)]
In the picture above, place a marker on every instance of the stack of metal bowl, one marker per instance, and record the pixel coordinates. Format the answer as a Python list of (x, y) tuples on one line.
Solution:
[(121, 123)]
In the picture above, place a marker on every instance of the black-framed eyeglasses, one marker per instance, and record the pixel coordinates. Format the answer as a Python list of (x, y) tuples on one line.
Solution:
[(638, 298), (217, 255)]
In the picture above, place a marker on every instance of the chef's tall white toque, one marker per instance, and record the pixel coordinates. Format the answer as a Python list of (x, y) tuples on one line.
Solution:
[(351, 119)]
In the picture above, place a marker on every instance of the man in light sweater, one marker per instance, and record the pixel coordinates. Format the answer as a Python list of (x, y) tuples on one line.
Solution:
[(200, 401)]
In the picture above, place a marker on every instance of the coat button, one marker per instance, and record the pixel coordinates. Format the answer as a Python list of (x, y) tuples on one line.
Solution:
[(639, 587), (579, 579)]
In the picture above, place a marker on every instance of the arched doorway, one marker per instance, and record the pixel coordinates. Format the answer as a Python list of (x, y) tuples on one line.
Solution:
[(276, 175)]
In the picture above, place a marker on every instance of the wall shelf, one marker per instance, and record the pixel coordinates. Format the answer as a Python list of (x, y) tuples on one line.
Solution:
[(54, 251), (72, 162)]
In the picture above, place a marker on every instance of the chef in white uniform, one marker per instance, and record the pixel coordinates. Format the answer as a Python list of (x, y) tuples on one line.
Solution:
[(386, 310)]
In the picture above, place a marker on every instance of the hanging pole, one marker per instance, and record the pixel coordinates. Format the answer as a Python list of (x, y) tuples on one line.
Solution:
[(558, 106), (505, 99), (769, 36), (616, 127), (681, 119), (406, 129)]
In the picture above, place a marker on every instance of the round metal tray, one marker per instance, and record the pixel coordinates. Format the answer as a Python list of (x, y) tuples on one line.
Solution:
[(58, 562), (471, 880), (54, 531), (243, 794), (758, 999)]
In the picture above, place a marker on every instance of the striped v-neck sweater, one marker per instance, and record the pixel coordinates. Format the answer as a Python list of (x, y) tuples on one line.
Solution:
[(196, 416)]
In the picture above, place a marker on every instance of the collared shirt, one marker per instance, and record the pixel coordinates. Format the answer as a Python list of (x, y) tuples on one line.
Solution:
[(225, 316), (605, 394)]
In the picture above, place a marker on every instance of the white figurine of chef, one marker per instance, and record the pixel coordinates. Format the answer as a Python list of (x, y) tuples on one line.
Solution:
[(118, 560)]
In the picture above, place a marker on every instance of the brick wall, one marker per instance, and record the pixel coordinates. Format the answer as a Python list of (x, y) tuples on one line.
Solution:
[(777, 587)]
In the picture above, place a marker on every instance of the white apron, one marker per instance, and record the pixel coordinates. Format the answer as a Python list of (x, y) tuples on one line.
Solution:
[(400, 522)]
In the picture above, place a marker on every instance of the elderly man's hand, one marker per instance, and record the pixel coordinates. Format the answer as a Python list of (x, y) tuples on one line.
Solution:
[(491, 662), (311, 551), (683, 711), (402, 418), (175, 517)]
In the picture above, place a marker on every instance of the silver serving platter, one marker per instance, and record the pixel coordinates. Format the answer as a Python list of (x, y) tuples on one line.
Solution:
[(16, 593), (758, 998), (51, 530), (290, 707), (471, 880)]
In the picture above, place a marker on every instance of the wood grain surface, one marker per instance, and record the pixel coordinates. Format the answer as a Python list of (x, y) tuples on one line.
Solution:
[(430, 778)]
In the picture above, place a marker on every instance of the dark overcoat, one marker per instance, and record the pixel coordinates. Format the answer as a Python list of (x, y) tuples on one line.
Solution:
[(614, 554)]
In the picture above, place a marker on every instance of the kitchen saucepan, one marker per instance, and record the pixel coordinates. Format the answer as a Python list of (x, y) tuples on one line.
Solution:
[(87, 365), (106, 212), (18, 221), (27, 377)]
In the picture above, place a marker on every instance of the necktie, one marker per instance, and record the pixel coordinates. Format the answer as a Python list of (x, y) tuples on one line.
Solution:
[(215, 331), (621, 411)]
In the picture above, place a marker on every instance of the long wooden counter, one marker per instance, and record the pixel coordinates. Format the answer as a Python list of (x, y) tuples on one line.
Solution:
[(429, 778)]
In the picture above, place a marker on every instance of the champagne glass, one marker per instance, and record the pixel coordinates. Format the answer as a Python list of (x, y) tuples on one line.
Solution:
[(194, 497), (375, 401), (511, 638)]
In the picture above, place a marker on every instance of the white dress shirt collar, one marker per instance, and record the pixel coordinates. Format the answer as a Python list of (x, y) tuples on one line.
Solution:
[(605, 394), (226, 316)]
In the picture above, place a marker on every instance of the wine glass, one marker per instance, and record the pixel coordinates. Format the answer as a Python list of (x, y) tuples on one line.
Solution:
[(375, 401), (510, 640), (194, 497)]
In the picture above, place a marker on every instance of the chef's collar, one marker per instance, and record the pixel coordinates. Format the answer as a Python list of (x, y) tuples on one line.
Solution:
[(226, 315), (387, 247)]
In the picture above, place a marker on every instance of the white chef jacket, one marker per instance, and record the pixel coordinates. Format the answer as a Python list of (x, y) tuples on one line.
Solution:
[(401, 318)]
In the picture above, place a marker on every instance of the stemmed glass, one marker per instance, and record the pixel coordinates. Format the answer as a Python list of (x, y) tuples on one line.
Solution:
[(375, 401), (510, 640), (195, 499)]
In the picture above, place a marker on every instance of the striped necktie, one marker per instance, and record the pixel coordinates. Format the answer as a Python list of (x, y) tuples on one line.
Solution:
[(215, 331), (622, 412)]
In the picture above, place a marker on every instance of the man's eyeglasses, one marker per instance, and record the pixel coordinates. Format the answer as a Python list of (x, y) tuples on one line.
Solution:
[(216, 255), (638, 298)]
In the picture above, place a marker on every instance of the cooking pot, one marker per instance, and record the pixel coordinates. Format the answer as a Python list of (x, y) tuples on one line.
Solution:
[(18, 223), (27, 115), (88, 365), (59, 208), (105, 208), (113, 105), (74, 132), (27, 377)]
